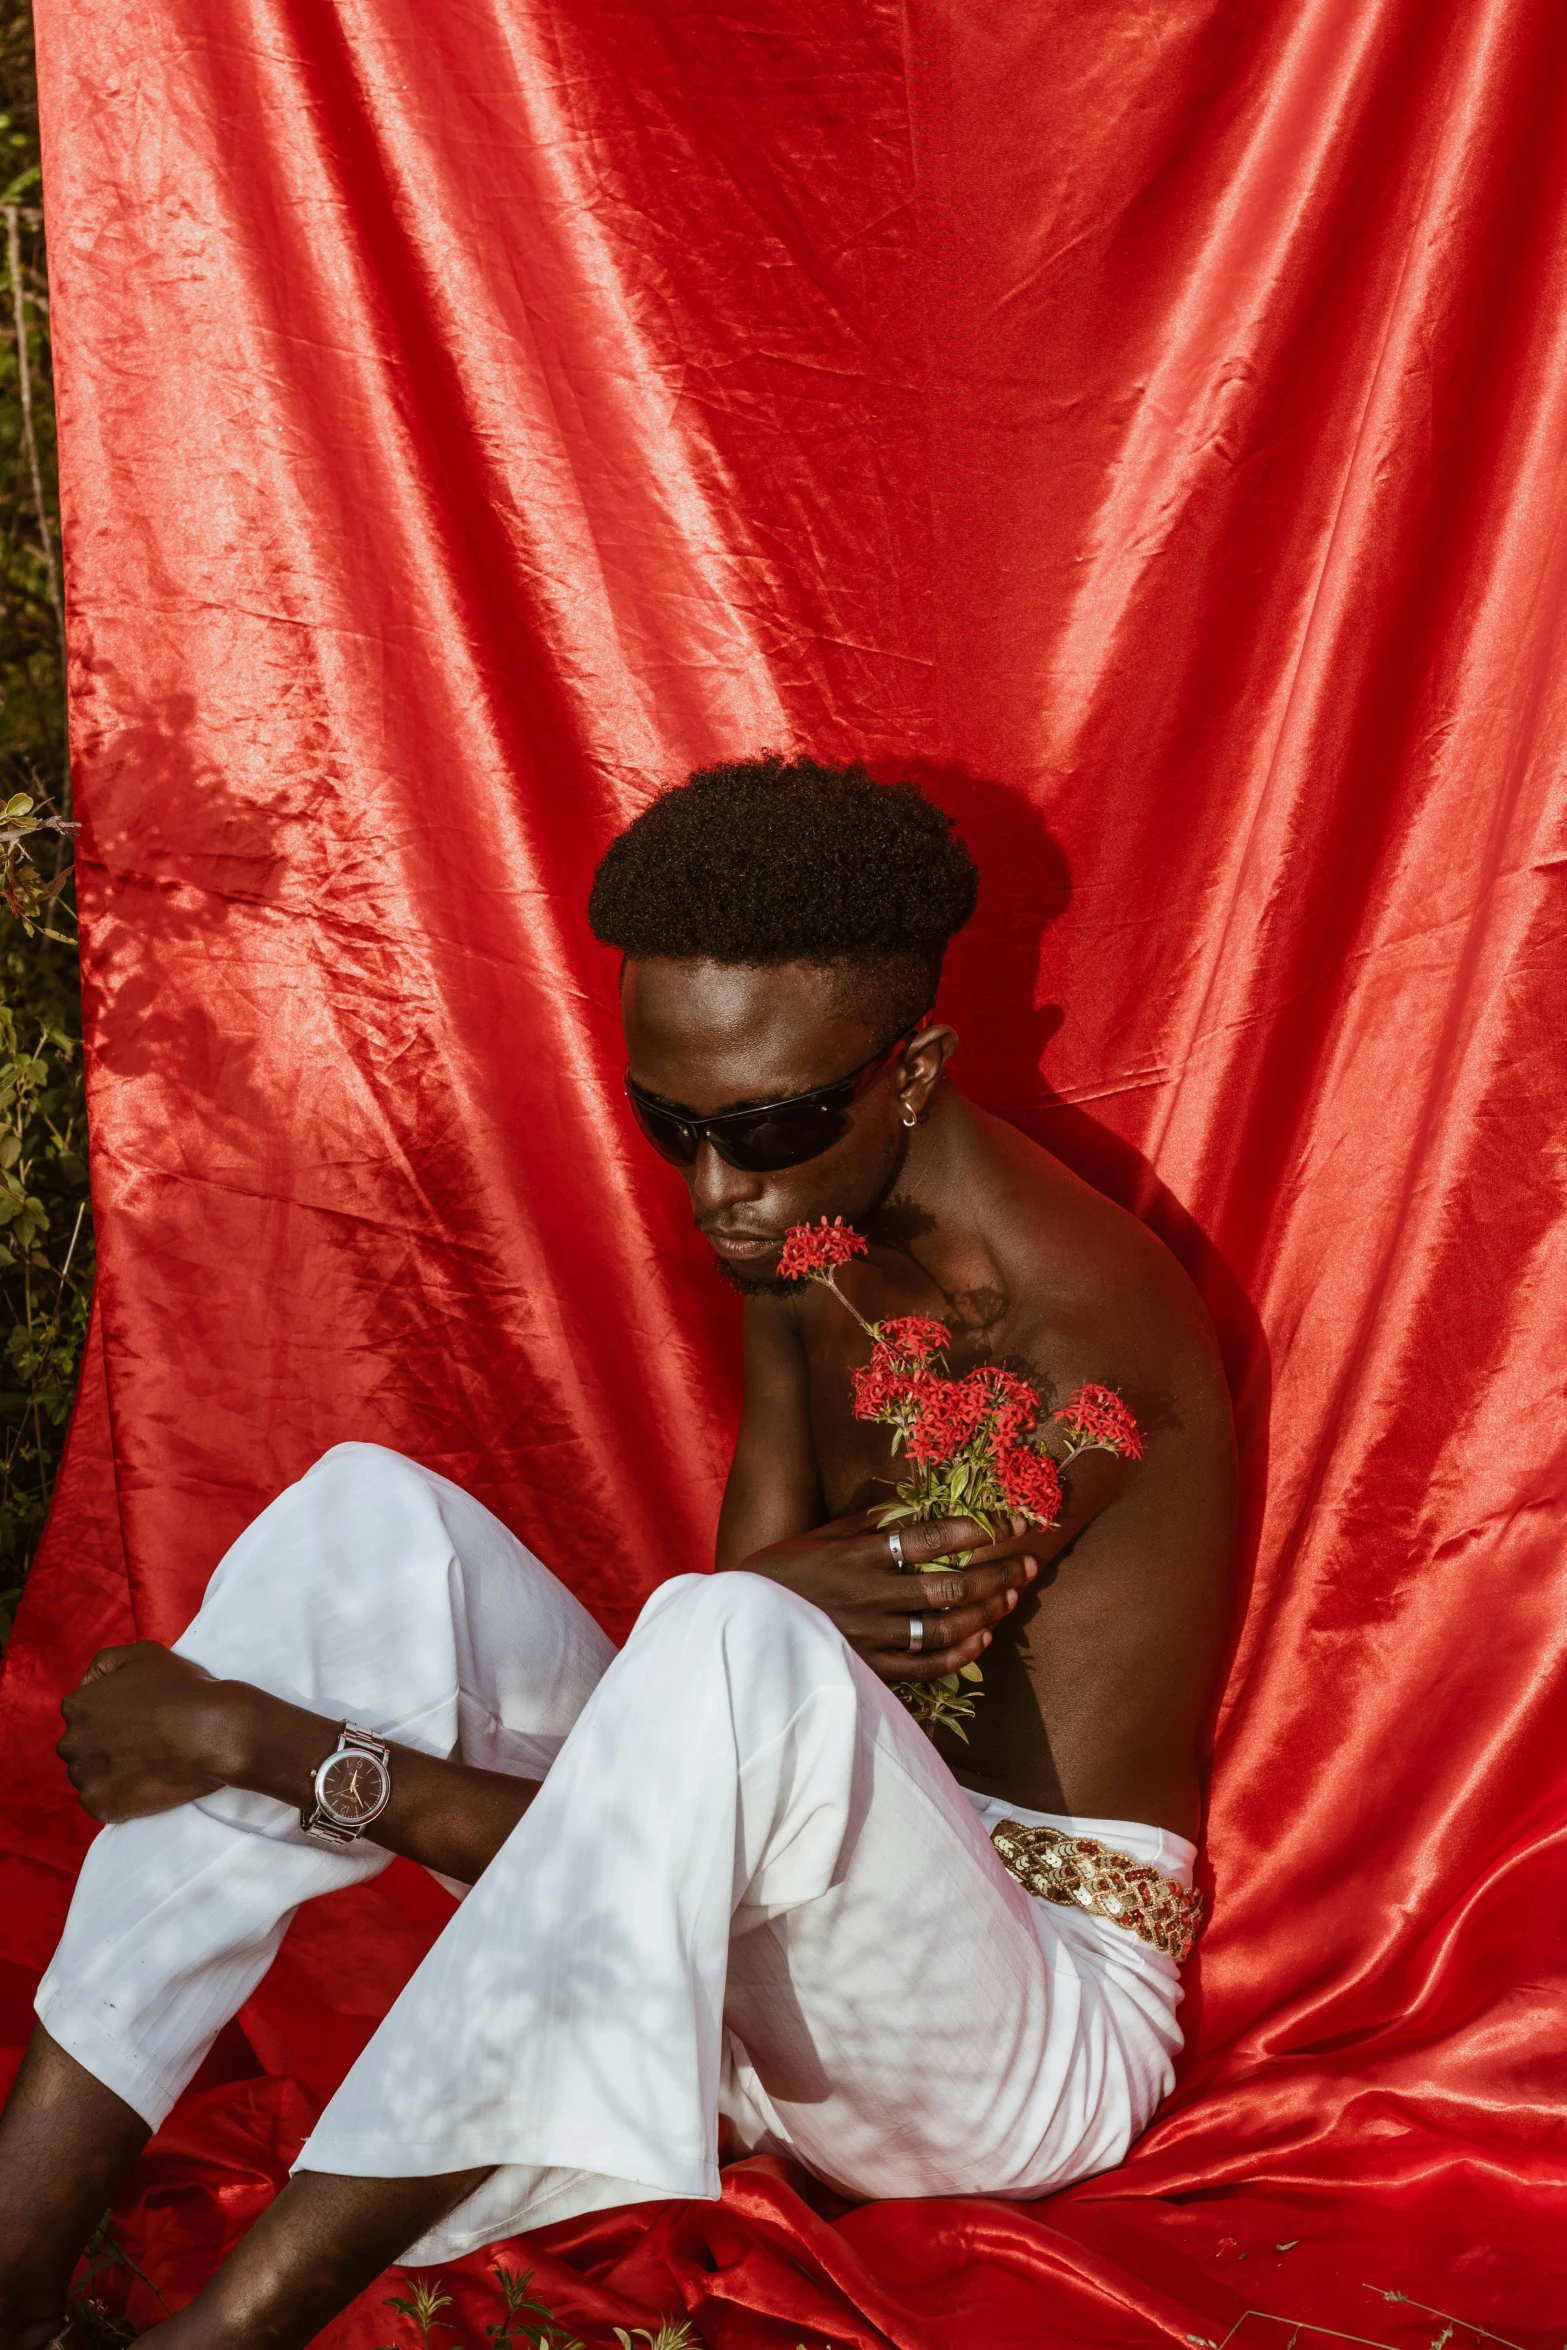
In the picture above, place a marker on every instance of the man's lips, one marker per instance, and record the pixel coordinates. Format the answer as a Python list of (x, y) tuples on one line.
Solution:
[(742, 1247)]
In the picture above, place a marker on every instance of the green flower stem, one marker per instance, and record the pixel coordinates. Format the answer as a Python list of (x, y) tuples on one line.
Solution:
[(872, 1330)]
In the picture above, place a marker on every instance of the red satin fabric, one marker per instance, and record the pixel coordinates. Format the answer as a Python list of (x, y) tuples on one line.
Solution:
[(1146, 425)]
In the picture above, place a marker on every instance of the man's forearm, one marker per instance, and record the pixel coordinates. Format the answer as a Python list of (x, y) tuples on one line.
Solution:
[(444, 1815)]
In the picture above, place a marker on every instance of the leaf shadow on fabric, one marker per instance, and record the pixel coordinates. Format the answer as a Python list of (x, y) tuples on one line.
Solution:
[(168, 854)]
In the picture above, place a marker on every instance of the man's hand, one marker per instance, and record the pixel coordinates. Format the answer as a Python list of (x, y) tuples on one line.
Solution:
[(847, 1570), (146, 1730)]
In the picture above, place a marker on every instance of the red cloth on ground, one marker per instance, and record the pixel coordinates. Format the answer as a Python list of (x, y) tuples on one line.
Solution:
[(1147, 424)]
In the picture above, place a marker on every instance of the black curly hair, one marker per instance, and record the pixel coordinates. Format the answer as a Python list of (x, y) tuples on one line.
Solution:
[(773, 860)]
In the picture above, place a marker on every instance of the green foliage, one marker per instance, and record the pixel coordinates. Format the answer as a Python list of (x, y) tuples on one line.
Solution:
[(93, 2326), (526, 2319), (420, 2306), (46, 1245)]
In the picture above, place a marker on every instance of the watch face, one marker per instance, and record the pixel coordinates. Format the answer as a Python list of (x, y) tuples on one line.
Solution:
[(352, 1788)]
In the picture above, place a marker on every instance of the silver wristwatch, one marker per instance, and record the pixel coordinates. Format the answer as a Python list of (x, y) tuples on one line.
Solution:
[(352, 1788)]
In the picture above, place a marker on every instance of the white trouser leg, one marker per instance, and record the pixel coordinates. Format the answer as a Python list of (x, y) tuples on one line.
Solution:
[(744, 1822), (373, 1590)]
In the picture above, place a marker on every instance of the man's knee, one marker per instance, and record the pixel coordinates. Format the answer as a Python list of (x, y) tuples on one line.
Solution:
[(361, 1525), (354, 1474), (736, 1617), (358, 1499)]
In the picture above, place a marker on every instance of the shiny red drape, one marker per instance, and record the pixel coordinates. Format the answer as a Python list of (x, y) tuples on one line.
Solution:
[(1147, 426)]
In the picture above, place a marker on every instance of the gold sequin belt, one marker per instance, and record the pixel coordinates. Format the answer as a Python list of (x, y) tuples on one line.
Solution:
[(1082, 1874)]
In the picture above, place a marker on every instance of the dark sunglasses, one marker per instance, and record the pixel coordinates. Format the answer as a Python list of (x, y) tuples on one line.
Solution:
[(772, 1134)]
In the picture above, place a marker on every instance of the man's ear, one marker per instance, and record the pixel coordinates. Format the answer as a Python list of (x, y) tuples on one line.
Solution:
[(923, 1063)]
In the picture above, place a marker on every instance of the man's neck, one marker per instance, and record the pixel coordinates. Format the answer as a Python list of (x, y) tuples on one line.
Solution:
[(933, 1208)]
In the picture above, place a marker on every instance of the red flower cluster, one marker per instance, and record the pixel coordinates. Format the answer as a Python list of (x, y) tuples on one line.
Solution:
[(1030, 1481), (940, 1416), (884, 1386), (895, 1377), (986, 1417), (1097, 1416), (948, 1413), (911, 1334), (1016, 1405), (812, 1252)]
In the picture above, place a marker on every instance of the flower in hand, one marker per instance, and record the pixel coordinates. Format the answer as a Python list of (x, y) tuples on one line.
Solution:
[(968, 1438)]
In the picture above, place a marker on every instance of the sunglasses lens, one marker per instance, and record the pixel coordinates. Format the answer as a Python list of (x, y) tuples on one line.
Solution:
[(671, 1137), (786, 1138)]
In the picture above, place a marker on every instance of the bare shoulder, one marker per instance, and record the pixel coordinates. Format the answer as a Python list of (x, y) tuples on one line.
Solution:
[(1091, 1293)]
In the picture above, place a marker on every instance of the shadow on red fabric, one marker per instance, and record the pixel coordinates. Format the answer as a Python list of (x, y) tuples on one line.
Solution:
[(1147, 425)]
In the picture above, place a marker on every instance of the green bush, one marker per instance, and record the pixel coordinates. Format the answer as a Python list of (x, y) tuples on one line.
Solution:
[(46, 1244)]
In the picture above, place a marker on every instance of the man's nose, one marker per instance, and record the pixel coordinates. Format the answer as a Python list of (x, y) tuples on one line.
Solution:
[(716, 1186)]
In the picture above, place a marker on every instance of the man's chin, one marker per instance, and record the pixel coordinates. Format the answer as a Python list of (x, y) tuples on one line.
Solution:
[(754, 1284)]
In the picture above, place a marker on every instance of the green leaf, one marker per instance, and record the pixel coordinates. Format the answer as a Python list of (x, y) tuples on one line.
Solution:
[(19, 804), (970, 1673)]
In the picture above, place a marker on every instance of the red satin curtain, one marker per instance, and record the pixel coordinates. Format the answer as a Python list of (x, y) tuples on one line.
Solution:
[(1145, 425)]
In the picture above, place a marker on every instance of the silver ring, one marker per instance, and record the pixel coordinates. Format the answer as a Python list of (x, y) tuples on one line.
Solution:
[(916, 1634), (895, 1545)]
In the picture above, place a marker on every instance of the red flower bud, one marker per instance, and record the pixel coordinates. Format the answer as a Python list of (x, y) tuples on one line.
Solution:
[(812, 1251), (1097, 1416)]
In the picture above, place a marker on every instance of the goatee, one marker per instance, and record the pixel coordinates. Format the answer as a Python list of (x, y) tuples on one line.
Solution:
[(755, 1284)]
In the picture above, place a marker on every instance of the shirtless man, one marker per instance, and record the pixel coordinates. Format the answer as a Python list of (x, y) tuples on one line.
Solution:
[(734, 1818)]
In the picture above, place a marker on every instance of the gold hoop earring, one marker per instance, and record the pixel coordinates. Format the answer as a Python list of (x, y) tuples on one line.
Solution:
[(911, 1116)]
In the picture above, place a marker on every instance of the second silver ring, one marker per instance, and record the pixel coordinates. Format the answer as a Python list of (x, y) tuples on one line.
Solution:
[(895, 1545), (916, 1634)]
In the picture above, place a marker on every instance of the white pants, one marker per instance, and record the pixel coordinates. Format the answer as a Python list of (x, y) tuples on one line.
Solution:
[(748, 1886)]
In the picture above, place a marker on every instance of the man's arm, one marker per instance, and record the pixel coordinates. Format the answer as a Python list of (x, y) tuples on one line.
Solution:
[(148, 1730), (774, 1487)]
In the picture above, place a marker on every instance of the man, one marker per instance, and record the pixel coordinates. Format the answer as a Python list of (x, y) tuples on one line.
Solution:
[(723, 1871)]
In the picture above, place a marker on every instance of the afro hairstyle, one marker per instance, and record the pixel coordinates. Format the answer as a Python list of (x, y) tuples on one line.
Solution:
[(773, 860)]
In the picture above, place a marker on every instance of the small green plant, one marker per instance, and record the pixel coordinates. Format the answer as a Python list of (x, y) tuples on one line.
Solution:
[(673, 2334), (526, 2319), (420, 2306)]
